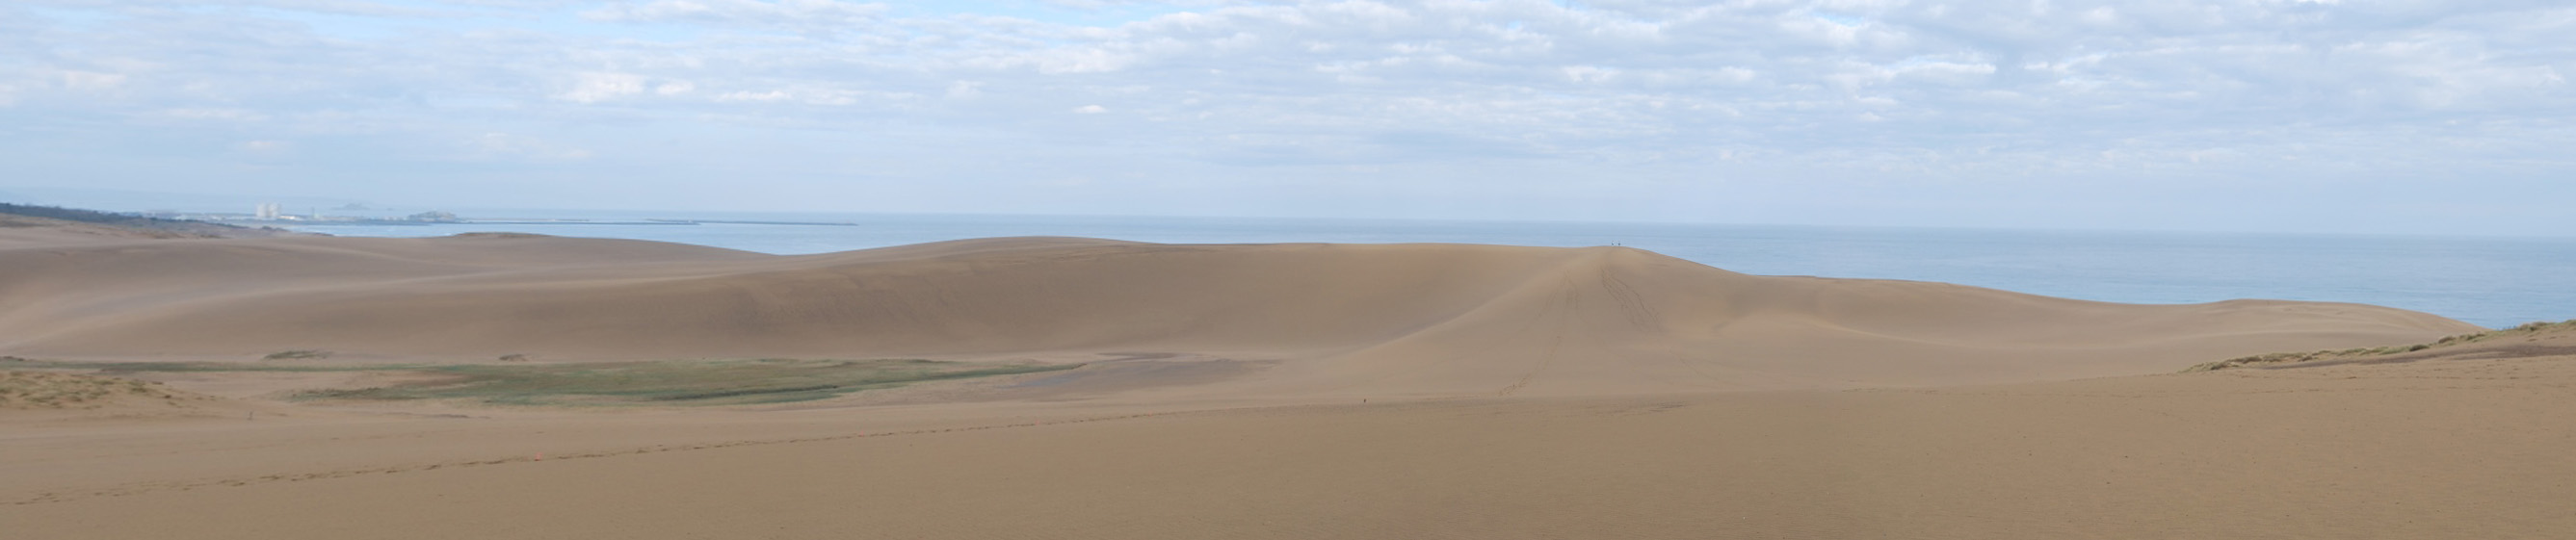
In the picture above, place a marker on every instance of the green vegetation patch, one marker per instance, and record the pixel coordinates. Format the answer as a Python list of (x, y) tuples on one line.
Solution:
[(39, 390), (2462, 339), (662, 383), (704, 382)]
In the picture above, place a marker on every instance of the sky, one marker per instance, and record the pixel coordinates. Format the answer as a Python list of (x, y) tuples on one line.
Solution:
[(2400, 116)]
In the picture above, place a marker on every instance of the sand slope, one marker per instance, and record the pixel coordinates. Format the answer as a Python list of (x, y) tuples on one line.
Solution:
[(2467, 443), (1337, 319)]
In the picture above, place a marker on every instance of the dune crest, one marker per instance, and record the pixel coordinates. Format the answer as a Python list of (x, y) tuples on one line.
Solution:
[(1418, 319)]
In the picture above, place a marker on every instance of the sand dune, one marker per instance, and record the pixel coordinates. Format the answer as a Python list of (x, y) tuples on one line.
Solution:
[(1245, 391), (1335, 319)]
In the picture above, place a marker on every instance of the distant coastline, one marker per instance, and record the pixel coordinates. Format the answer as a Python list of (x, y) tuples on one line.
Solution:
[(375, 222)]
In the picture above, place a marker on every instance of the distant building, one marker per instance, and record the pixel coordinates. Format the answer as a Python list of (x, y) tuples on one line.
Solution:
[(268, 212), (433, 216)]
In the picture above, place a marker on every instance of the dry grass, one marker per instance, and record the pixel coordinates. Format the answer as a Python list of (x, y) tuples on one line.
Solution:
[(668, 382), (662, 383), (693, 382), (44, 390), (2452, 341)]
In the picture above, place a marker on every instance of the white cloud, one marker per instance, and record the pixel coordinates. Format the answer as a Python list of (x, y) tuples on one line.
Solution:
[(810, 15), (2102, 15), (91, 80), (263, 147), (489, 146), (1831, 91), (594, 87), (215, 114), (1589, 74), (742, 95)]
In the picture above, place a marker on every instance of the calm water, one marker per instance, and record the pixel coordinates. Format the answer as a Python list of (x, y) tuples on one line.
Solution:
[(2486, 281)]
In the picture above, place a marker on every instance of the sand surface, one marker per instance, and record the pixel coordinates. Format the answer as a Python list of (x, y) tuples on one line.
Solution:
[(1256, 391), (1327, 320)]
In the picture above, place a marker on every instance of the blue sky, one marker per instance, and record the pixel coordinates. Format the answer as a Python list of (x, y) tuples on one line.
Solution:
[(2258, 115)]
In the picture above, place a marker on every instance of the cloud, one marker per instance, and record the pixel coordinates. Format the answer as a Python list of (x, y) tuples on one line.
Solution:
[(772, 95), (213, 115), (597, 87), (1840, 92), (802, 15), (91, 80), (488, 146)]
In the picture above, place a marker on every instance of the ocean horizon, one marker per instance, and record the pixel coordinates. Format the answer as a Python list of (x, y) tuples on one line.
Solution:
[(2488, 281)]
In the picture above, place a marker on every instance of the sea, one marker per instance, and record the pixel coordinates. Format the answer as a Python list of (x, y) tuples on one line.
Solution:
[(2488, 281)]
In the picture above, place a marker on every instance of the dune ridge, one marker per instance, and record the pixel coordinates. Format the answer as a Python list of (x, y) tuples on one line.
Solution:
[(1426, 319)]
